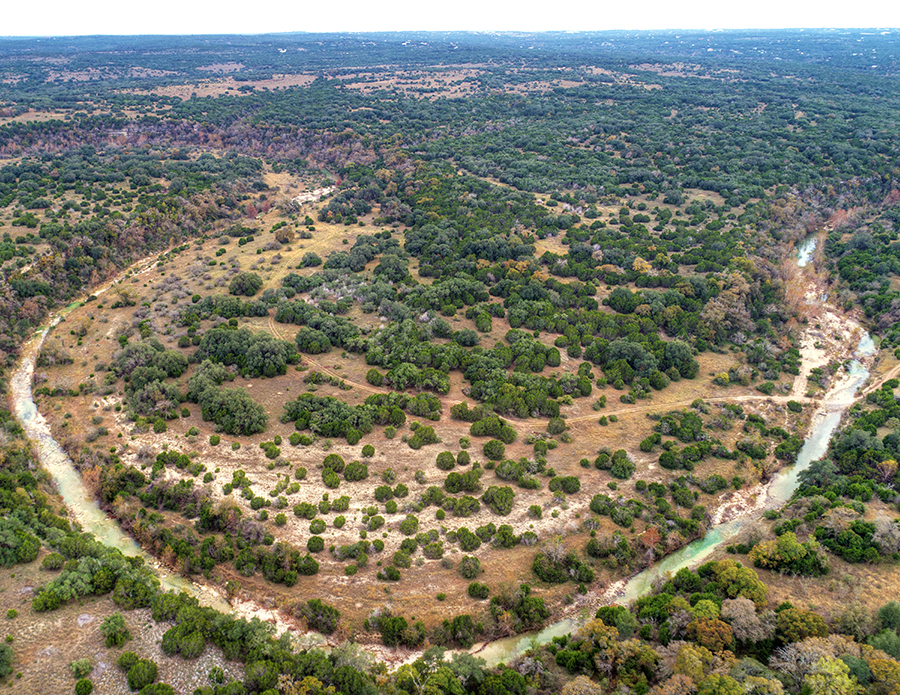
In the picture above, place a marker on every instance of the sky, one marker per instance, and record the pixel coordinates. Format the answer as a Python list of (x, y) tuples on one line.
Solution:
[(66, 17)]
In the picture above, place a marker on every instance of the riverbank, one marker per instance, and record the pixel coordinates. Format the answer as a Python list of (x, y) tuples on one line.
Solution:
[(827, 338)]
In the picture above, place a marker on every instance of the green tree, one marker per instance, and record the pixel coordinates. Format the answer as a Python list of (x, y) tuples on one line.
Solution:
[(6, 660), (795, 625), (830, 677), (142, 674), (115, 630), (720, 685), (245, 284)]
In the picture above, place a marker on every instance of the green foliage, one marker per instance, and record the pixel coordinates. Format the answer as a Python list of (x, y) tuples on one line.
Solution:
[(788, 554), (6, 660), (115, 630), (141, 674), (245, 284), (494, 450), (499, 499), (320, 616)]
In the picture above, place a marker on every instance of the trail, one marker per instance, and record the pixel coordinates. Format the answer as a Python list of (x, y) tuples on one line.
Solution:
[(679, 404), (310, 362)]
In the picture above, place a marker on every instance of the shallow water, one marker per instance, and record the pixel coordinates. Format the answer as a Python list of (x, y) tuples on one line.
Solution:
[(80, 502), (778, 492), (806, 250)]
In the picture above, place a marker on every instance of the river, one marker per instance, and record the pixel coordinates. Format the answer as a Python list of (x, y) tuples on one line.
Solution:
[(778, 491), (84, 509), (80, 502)]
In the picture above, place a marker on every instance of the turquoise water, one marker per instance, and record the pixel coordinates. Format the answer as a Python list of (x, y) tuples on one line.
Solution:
[(80, 502), (779, 491)]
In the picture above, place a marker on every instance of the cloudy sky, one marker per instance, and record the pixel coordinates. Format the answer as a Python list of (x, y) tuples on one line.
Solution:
[(66, 17)]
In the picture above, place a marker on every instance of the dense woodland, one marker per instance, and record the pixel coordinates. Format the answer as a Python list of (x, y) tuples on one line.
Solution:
[(617, 206)]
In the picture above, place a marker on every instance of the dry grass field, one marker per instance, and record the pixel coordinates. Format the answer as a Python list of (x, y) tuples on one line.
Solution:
[(89, 336)]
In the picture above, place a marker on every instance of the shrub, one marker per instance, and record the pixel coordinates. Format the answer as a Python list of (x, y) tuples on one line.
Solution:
[(494, 450), (81, 667), (445, 461), (368, 451), (383, 493), (433, 551), (115, 630), (556, 426), (389, 574), (478, 590), (142, 674), (214, 440), (315, 544), (53, 561), (568, 484), (126, 660), (84, 687), (320, 616), (245, 284), (469, 567), (409, 526), (356, 471), (499, 499)]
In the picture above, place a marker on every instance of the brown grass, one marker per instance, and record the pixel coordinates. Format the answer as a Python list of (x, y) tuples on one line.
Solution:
[(357, 596), (45, 644)]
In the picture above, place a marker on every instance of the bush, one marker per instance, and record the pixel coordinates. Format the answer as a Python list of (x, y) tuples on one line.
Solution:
[(499, 499), (320, 616), (158, 689), (6, 660), (115, 630), (409, 526), (142, 674), (356, 471), (126, 660), (469, 567), (214, 440), (478, 590), (556, 426), (568, 484), (84, 687), (245, 284), (494, 450), (315, 544), (81, 667), (53, 561), (445, 461), (433, 551)]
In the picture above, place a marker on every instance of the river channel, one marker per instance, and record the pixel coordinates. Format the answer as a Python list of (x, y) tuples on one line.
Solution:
[(80, 502), (83, 507)]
